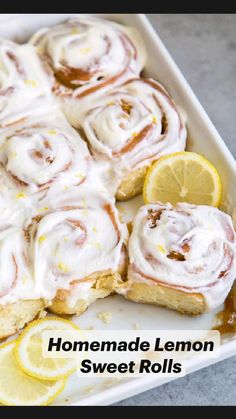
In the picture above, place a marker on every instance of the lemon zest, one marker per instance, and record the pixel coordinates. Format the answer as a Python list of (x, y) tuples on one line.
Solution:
[(30, 82), (161, 249), (154, 119), (52, 132), (21, 195), (42, 239), (63, 267)]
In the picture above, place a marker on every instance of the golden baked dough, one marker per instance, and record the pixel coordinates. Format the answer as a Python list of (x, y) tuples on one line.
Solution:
[(14, 317), (132, 184), (102, 287), (186, 303)]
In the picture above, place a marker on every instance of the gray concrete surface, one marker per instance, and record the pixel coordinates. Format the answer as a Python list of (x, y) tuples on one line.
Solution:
[(204, 47)]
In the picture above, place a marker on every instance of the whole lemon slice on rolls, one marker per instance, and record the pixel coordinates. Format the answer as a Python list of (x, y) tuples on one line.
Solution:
[(183, 177)]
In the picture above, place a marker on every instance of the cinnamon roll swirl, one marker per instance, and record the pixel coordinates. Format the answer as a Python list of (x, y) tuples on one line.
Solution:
[(25, 83), (131, 127), (88, 54), (181, 257), (79, 250), (41, 153)]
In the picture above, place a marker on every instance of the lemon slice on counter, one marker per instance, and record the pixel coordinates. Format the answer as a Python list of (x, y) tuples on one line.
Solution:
[(18, 388), (183, 177), (29, 355)]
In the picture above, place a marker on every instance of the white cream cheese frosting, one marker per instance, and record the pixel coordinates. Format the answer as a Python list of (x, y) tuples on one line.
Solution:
[(15, 207), (187, 247), (130, 126), (80, 236), (90, 53), (41, 152), (15, 268), (25, 82)]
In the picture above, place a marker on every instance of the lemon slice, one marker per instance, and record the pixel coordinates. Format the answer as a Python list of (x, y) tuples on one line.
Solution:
[(29, 354), (18, 388), (183, 177)]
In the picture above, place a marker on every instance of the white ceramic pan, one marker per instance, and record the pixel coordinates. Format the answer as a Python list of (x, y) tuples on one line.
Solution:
[(202, 138)]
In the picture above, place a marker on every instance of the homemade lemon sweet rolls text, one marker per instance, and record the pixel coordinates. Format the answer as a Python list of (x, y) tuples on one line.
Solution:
[(79, 250), (45, 151), (25, 83), (88, 54), (131, 127), (181, 257)]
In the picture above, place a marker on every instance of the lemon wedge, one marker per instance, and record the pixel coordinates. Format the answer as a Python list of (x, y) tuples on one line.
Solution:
[(182, 177), (18, 388), (29, 354)]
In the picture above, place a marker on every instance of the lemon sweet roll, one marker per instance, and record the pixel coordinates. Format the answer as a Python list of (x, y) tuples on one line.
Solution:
[(130, 127), (79, 250), (44, 151), (181, 257), (87, 54), (64, 258)]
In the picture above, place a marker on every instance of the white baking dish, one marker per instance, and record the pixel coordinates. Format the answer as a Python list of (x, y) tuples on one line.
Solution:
[(202, 138)]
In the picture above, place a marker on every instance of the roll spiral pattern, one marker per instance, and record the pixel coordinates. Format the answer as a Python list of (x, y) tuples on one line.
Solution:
[(189, 248), (132, 125), (36, 156), (76, 243), (88, 54)]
